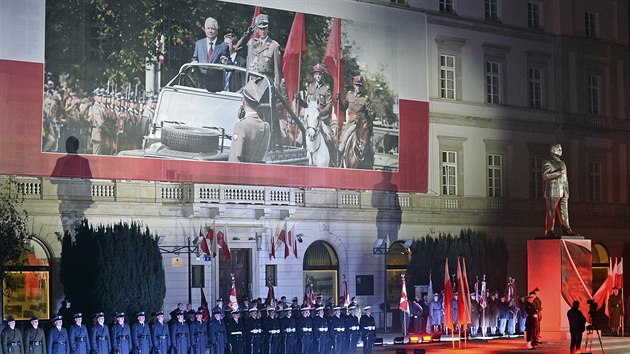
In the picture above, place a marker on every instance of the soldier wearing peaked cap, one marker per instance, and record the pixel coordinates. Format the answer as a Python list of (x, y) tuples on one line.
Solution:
[(254, 335), (235, 329), (141, 335), (320, 92), (160, 336), (218, 336), (320, 331), (34, 338), (58, 342), (615, 306), (305, 329), (251, 136), (288, 329), (79, 339), (180, 335), (337, 331), (120, 335), (264, 55), (368, 328), (99, 336), (198, 333), (272, 332), (11, 338), (359, 108), (353, 329)]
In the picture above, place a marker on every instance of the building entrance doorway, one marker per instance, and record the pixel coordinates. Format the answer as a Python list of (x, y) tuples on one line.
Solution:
[(239, 264)]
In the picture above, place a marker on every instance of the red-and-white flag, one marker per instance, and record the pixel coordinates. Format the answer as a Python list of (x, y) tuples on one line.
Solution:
[(346, 293), (448, 298), (463, 315), (292, 58), (202, 242), (233, 304), (618, 273), (210, 238), (404, 302), (204, 305), (482, 295), (467, 290), (222, 242), (283, 238), (273, 246), (333, 58)]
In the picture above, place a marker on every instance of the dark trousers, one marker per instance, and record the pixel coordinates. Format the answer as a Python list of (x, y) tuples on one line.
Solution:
[(576, 340)]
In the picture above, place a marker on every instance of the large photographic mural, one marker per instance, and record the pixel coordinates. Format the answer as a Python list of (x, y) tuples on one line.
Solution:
[(153, 90)]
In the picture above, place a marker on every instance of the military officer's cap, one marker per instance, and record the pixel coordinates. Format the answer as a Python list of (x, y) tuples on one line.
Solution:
[(357, 80), (252, 92), (99, 314), (96, 91), (158, 313), (140, 313), (153, 98), (215, 311), (367, 308), (179, 312), (219, 299), (318, 69), (456, 293), (120, 314), (336, 308), (436, 294), (614, 287), (118, 95), (57, 317), (262, 21), (294, 298), (352, 307), (305, 308), (321, 308), (253, 309), (320, 296), (199, 311), (10, 319), (279, 309), (78, 315), (34, 318)]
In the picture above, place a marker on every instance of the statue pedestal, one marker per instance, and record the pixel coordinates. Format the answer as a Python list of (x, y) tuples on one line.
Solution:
[(562, 270)]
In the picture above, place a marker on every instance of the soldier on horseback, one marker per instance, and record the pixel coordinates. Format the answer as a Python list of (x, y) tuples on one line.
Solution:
[(359, 115)]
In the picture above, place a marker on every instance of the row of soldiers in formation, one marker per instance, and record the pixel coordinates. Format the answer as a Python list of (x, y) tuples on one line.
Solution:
[(280, 329), (105, 122)]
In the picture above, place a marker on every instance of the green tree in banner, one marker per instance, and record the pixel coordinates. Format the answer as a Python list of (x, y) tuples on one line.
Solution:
[(484, 255), (112, 268), (13, 231)]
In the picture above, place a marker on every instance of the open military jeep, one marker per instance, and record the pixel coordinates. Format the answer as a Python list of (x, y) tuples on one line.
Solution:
[(195, 116)]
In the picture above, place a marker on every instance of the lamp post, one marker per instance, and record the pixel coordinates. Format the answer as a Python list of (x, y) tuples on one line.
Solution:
[(189, 249)]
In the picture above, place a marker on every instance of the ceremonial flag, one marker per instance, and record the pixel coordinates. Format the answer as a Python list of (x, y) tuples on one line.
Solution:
[(404, 303), (333, 58), (233, 304), (283, 238), (467, 290), (292, 58), (346, 293), (430, 290), (204, 305), (222, 242), (463, 317), (448, 298), (309, 296), (482, 297), (601, 296), (271, 298), (210, 237), (273, 246), (202, 242), (618, 273), (295, 242)]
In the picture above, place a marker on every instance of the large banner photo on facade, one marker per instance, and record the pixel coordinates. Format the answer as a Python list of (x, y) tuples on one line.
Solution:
[(216, 92)]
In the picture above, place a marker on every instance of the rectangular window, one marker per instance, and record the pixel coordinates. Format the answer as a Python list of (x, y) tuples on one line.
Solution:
[(533, 14), (590, 24), (449, 173), (594, 181), (536, 178), (493, 82), (198, 276), (446, 5), (495, 176), (593, 87), (491, 10), (535, 87), (447, 77)]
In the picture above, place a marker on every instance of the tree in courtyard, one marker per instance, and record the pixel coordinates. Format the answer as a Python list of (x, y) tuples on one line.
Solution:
[(13, 231)]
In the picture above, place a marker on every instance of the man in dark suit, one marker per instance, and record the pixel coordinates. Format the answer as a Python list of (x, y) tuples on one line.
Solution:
[(576, 326), (233, 80), (556, 192), (210, 50)]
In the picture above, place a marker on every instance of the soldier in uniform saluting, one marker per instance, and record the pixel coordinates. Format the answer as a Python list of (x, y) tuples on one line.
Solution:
[(11, 338), (264, 55), (120, 335), (160, 335), (79, 340), (34, 338), (368, 328), (141, 335), (251, 134), (99, 336), (58, 342)]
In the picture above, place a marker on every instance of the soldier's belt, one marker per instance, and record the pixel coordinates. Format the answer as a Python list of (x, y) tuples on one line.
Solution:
[(323, 329), (339, 329), (256, 331), (289, 330), (79, 339), (181, 335), (14, 344), (369, 328), (36, 342), (236, 333), (274, 331), (143, 336), (60, 342), (304, 329), (122, 337), (161, 337), (355, 328)]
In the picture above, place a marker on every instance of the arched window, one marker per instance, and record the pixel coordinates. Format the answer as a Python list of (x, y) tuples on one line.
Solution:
[(600, 265), (398, 258), (321, 269), (31, 296)]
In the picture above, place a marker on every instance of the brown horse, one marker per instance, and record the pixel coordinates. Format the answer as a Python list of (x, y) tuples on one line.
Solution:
[(359, 152)]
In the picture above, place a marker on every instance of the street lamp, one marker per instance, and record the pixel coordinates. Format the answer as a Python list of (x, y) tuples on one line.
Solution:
[(188, 248)]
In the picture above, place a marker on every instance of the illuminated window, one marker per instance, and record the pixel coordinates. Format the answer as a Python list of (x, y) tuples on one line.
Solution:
[(446, 6), (321, 268), (594, 181), (493, 82), (535, 87), (31, 276), (593, 91), (449, 173), (590, 24), (447, 76), (495, 176), (492, 10), (536, 178), (534, 15)]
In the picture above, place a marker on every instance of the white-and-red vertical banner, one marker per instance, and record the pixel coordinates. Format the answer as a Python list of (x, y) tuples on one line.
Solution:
[(222, 242), (448, 298), (292, 58), (233, 304), (333, 59), (404, 302)]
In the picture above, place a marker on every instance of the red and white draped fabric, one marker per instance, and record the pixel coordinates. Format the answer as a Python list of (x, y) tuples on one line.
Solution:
[(222, 242), (273, 246), (404, 302), (202, 243), (294, 241), (346, 293), (467, 290), (448, 298), (233, 304), (271, 297), (309, 295), (482, 294), (282, 237), (463, 313), (333, 59), (210, 239)]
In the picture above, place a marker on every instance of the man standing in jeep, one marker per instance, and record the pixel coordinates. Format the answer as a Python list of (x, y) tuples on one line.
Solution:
[(251, 134)]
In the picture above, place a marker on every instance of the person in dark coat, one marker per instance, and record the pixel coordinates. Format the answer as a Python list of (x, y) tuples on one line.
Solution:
[(577, 321), (235, 329), (615, 306), (34, 338), (304, 331), (337, 331), (254, 333), (198, 333), (180, 335), (99, 336), (368, 328), (353, 329), (289, 335), (320, 330), (11, 338), (531, 323), (78, 334), (272, 332), (58, 342), (218, 335), (141, 335), (160, 336), (120, 335)]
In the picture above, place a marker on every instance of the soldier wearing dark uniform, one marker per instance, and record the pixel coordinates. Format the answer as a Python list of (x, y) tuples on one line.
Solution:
[(353, 329), (475, 312), (295, 307), (304, 326), (531, 323), (616, 313), (235, 328), (358, 106), (11, 338), (58, 342), (79, 339), (321, 93), (255, 336), (34, 338), (198, 333), (180, 335), (219, 307), (160, 336), (320, 330), (141, 335), (250, 139), (121, 335), (288, 327), (337, 331), (99, 336), (368, 328), (218, 336), (271, 328)]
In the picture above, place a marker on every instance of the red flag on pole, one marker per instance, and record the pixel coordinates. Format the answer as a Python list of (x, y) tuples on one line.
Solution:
[(273, 246), (462, 304), (204, 305), (404, 303), (448, 298), (202, 242), (233, 304), (292, 58), (283, 238), (346, 294), (333, 58), (222, 242), (210, 237), (467, 290)]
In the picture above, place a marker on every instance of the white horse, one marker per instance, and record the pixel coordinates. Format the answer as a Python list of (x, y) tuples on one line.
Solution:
[(318, 154)]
